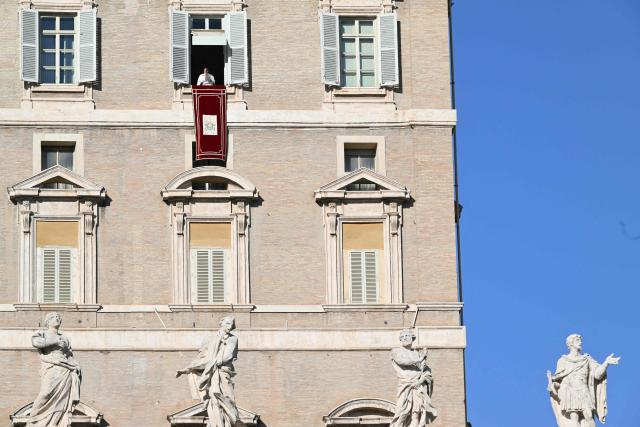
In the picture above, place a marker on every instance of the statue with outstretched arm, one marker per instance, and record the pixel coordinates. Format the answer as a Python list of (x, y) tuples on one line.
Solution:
[(578, 390), (215, 371)]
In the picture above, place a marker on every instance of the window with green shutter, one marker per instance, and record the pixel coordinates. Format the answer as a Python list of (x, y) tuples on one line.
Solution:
[(208, 275), (363, 268), (56, 274)]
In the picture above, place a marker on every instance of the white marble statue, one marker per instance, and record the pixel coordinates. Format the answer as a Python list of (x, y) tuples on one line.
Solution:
[(578, 389), (214, 367), (60, 383), (413, 407)]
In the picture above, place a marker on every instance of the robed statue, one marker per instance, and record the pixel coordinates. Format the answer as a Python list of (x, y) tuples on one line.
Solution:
[(413, 406), (60, 382), (214, 370), (578, 389)]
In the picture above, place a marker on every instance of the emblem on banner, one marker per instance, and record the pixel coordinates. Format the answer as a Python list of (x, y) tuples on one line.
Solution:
[(209, 125)]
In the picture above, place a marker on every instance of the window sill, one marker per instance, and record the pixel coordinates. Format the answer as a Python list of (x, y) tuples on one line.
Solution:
[(57, 307), (72, 88), (360, 91), (234, 308), (365, 307)]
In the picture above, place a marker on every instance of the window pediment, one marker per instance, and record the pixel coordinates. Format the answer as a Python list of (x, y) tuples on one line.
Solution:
[(197, 414), (83, 414), (385, 188), (362, 411), (182, 186), (33, 187)]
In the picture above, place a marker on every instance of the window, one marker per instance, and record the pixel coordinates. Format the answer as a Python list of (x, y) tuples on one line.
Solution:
[(357, 58), (355, 159), (360, 151), (58, 246), (53, 154), (215, 42), (359, 52), (56, 243), (210, 219), (58, 49), (362, 244)]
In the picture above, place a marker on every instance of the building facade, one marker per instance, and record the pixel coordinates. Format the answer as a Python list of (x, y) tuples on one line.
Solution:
[(330, 227)]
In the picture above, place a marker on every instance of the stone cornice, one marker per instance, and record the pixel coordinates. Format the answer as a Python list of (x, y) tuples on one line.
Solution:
[(237, 119)]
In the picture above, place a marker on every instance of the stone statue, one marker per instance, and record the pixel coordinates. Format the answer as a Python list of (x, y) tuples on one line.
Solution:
[(579, 388), (60, 384), (413, 407), (214, 367)]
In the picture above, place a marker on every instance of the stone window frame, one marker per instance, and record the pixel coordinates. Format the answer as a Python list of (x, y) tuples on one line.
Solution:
[(342, 414), (340, 206), (182, 94), (334, 95), (80, 204), (54, 93), (190, 139), (44, 139), (343, 142), (231, 206)]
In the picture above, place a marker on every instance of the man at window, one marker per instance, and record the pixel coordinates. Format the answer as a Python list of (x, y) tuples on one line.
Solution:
[(206, 79)]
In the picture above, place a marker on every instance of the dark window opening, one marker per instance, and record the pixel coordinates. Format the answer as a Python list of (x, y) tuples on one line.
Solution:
[(362, 185), (209, 186), (361, 158), (52, 155), (208, 162), (211, 57)]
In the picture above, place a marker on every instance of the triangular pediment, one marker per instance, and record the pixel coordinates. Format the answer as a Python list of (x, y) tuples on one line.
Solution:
[(82, 415), (362, 183), (36, 185), (197, 414)]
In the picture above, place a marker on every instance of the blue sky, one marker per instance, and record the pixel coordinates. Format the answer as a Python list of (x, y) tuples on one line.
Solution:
[(547, 96)]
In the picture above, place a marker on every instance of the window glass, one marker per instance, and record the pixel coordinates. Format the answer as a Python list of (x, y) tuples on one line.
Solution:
[(57, 45), (357, 53), (198, 24), (356, 159)]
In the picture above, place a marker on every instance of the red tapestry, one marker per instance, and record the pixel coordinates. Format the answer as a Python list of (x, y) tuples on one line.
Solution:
[(210, 116)]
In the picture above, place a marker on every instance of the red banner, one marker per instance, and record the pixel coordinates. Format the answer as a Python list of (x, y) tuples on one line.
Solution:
[(210, 116)]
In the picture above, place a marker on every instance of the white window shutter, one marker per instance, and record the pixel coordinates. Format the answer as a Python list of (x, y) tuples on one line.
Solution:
[(179, 35), (238, 60), (47, 274), (87, 46), (200, 274), (370, 276), (364, 276), (217, 275), (357, 294), (29, 38), (388, 50), (65, 273), (330, 40)]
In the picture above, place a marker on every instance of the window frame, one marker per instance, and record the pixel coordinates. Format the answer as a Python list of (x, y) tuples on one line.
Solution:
[(346, 142), (54, 139)]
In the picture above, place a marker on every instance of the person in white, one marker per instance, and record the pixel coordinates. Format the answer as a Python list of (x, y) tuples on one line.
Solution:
[(206, 79)]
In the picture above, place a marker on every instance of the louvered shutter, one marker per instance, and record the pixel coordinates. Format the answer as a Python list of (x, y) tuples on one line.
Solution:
[(179, 35), (364, 277), (48, 269), (87, 46), (330, 40), (217, 275), (29, 40), (356, 277), (388, 50), (370, 276), (56, 271), (208, 275), (238, 61)]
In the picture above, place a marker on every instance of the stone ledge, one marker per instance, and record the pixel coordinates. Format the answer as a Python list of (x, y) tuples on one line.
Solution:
[(231, 308), (364, 307), (335, 339)]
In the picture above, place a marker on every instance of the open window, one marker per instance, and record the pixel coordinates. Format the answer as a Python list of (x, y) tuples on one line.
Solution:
[(215, 42)]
